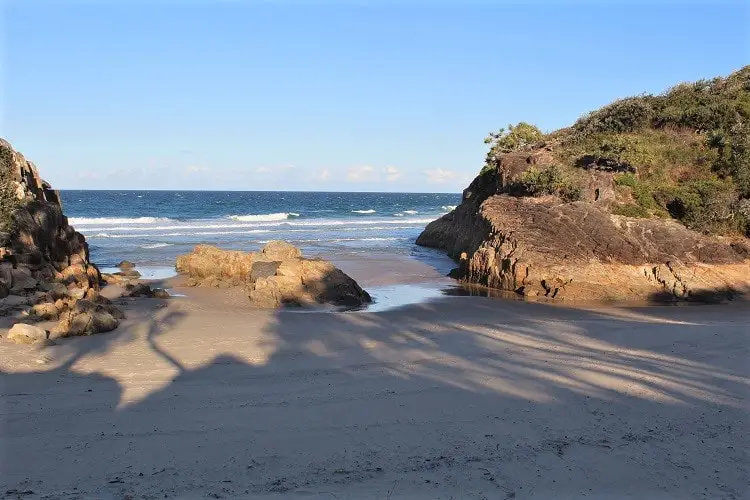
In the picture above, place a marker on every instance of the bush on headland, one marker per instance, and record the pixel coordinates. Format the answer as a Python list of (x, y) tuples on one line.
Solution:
[(8, 199), (683, 154)]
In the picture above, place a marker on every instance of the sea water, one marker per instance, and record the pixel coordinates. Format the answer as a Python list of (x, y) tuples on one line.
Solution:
[(152, 228)]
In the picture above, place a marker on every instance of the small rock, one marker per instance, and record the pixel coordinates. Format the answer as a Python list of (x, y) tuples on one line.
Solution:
[(138, 290), (126, 265), (77, 293), (45, 311), (22, 280), (21, 333), (160, 293), (129, 273)]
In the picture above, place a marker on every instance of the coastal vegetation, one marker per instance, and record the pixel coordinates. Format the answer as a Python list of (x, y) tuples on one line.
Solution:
[(8, 199), (683, 154)]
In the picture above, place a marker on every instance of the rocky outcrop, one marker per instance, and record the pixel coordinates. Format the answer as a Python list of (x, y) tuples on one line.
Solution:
[(545, 247), (276, 276), (44, 261)]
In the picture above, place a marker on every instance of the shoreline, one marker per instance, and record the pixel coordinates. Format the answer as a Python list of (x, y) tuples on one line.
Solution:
[(460, 396)]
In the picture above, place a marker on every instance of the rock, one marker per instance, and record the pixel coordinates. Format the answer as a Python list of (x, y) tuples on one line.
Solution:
[(207, 261), (22, 280), (6, 274), (544, 247), (54, 288), (291, 267), (22, 333), (114, 279), (138, 290), (277, 276), (126, 265), (277, 291), (13, 303), (325, 283), (88, 318), (128, 274), (4, 290), (302, 282), (160, 293), (45, 311), (43, 252), (263, 269), (280, 250), (44, 343), (77, 293)]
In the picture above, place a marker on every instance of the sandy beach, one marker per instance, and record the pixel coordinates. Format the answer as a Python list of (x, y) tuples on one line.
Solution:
[(460, 397)]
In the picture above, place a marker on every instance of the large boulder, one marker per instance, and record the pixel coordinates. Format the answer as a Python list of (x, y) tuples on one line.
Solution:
[(87, 318), (274, 277), (22, 333)]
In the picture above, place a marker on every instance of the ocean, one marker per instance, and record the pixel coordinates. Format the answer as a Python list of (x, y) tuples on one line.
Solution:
[(151, 228)]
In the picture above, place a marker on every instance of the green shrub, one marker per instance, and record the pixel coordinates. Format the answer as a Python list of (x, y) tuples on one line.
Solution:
[(627, 179), (643, 192), (549, 180), (8, 200), (515, 138), (709, 206), (733, 149), (624, 115)]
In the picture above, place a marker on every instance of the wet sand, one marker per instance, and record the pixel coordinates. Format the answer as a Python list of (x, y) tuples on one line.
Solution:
[(458, 397)]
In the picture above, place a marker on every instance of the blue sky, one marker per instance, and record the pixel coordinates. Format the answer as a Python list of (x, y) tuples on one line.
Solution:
[(336, 95)]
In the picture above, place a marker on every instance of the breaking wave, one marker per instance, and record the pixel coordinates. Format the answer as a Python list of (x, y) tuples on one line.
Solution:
[(84, 221), (264, 217)]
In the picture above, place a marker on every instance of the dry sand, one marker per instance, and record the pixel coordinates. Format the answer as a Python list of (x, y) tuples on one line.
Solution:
[(462, 397)]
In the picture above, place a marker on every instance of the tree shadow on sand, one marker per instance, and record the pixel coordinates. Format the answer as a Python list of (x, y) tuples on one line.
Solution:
[(458, 397)]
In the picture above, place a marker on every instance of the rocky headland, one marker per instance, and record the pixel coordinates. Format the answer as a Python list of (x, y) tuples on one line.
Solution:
[(45, 270), (635, 210), (46, 274)]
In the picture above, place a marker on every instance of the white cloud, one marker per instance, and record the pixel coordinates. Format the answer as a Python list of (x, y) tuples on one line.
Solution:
[(392, 174), (194, 169), (277, 169), (88, 176), (322, 174), (361, 173), (439, 176)]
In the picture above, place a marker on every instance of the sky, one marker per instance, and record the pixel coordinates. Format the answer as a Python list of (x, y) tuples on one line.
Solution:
[(327, 95)]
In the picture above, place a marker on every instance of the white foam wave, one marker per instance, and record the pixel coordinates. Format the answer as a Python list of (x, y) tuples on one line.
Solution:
[(86, 221), (156, 245), (250, 226), (370, 211), (410, 212), (449, 207), (264, 217)]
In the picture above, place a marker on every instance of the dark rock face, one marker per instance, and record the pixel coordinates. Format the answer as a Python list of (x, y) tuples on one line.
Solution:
[(544, 247), (276, 276), (44, 261)]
